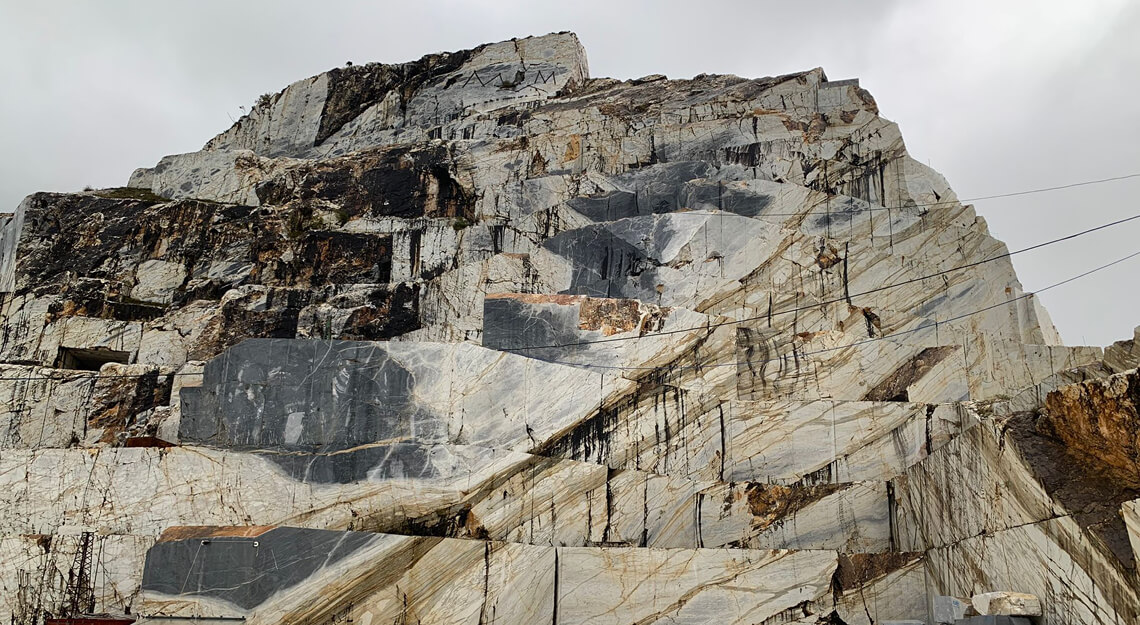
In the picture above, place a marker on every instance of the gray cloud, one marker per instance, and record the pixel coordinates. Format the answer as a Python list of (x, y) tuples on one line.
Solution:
[(998, 97)]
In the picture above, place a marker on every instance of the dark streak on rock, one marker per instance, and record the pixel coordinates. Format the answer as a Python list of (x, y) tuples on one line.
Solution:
[(351, 90)]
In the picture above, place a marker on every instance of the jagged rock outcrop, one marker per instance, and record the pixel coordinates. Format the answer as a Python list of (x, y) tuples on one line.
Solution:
[(479, 338)]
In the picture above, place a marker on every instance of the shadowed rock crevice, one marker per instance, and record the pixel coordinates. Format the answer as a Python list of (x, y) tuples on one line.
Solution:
[(894, 387)]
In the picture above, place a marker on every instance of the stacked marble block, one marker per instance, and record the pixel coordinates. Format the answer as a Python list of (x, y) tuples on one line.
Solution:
[(591, 516), (651, 482), (528, 519), (284, 433)]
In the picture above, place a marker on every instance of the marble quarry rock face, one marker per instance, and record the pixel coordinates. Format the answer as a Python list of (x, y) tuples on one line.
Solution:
[(480, 338)]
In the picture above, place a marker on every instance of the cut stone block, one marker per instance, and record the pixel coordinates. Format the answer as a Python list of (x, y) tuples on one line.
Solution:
[(1007, 603), (949, 610), (328, 395), (290, 575)]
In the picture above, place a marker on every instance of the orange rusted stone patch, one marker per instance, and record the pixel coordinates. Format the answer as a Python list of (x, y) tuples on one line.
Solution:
[(827, 257), (534, 298), (611, 316), (187, 532), (573, 150)]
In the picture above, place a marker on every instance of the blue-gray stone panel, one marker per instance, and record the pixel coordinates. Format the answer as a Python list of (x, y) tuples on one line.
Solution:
[(245, 570), (303, 395)]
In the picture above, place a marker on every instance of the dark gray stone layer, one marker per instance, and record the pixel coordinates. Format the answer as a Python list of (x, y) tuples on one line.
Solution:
[(602, 262), (245, 571), (303, 395), (511, 324)]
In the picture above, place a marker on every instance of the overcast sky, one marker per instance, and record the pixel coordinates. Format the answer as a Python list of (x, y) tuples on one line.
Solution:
[(1028, 95)]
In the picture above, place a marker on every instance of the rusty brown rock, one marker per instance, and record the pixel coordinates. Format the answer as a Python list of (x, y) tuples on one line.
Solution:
[(1098, 420), (611, 316), (769, 503), (857, 569)]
